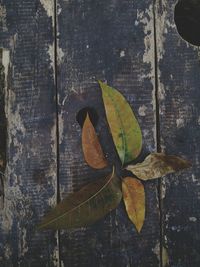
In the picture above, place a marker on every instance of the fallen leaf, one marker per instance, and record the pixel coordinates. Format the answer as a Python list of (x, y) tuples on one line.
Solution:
[(134, 200), (92, 150), (86, 206), (123, 125), (158, 164)]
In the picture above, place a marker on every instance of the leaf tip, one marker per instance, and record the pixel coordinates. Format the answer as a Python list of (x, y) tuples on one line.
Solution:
[(139, 228), (87, 116), (102, 85), (100, 82)]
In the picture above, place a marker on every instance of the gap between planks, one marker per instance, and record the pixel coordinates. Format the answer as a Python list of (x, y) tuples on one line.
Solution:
[(157, 117), (57, 119)]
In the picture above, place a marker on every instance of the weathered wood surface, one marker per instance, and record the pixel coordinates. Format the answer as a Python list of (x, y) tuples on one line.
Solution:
[(112, 41), (179, 95), (30, 183), (45, 82)]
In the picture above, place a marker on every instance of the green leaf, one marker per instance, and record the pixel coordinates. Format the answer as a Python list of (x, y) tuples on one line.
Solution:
[(86, 206), (158, 164), (123, 125)]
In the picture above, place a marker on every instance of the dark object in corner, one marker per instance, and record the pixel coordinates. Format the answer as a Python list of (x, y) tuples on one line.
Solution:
[(187, 19)]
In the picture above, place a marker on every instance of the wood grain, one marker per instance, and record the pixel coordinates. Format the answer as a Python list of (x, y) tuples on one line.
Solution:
[(30, 179), (179, 94), (109, 40), (135, 47)]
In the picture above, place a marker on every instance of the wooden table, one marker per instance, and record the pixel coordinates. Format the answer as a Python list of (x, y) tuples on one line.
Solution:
[(52, 53)]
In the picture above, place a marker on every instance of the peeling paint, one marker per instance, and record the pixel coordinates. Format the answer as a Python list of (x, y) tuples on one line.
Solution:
[(56, 253), (48, 6), (156, 250), (5, 63), (51, 52), (14, 126), (142, 110), (59, 9), (122, 53), (60, 55), (23, 243), (12, 193), (165, 257), (180, 122), (147, 19), (3, 22), (12, 196), (8, 251), (61, 128), (192, 219), (164, 188), (53, 137), (161, 91), (162, 26)]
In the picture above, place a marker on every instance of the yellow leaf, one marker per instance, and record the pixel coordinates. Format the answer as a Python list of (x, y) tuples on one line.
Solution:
[(158, 164), (134, 199), (124, 127), (92, 150)]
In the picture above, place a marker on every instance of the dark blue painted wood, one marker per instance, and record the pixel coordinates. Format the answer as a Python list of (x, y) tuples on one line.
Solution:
[(179, 85), (110, 40), (30, 178)]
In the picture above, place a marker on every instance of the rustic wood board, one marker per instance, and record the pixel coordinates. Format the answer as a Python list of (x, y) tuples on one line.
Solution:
[(111, 40), (179, 94), (30, 183), (44, 86)]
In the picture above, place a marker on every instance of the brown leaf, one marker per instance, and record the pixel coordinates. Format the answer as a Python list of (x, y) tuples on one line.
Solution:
[(92, 150), (86, 206), (158, 164), (134, 199)]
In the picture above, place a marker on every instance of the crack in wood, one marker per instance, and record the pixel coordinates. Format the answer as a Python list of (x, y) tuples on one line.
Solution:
[(4, 61)]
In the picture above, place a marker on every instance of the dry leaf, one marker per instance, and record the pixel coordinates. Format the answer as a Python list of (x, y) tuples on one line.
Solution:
[(134, 199), (158, 164), (86, 206), (92, 150), (123, 125)]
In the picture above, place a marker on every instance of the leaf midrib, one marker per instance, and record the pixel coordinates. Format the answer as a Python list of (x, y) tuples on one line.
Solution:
[(70, 211), (123, 132)]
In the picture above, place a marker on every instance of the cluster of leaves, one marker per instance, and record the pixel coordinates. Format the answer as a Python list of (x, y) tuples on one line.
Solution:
[(95, 200)]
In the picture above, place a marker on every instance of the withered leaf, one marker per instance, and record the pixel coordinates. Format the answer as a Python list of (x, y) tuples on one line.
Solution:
[(158, 164), (92, 150), (86, 206), (134, 200), (124, 127)]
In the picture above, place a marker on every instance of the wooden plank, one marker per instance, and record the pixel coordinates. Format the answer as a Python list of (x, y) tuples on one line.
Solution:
[(179, 94), (30, 183), (110, 40)]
